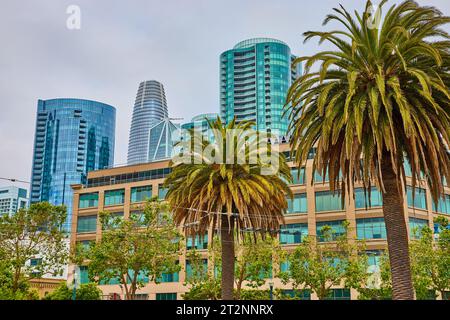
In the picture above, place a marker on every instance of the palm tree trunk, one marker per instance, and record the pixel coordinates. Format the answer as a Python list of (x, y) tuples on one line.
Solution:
[(227, 240), (397, 235)]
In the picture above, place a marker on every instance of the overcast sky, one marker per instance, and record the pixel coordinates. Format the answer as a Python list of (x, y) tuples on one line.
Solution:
[(121, 43)]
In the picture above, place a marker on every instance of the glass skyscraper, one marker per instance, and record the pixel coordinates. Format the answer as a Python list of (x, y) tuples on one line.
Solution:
[(150, 108), (162, 138), (254, 79), (72, 137), (200, 123)]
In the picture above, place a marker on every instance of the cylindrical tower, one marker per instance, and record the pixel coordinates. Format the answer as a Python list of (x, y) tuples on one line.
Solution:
[(73, 137), (254, 79), (150, 108)]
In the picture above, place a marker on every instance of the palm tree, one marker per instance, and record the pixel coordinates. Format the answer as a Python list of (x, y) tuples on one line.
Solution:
[(379, 99), (232, 198)]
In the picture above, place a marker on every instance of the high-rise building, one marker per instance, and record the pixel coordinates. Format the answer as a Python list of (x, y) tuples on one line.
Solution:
[(12, 199), (162, 138), (150, 108), (254, 79), (200, 122), (72, 137)]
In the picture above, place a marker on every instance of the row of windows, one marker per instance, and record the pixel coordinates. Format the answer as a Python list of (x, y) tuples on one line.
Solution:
[(335, 294), (130, 177), (117, 197), (369, 228), (327, 201)]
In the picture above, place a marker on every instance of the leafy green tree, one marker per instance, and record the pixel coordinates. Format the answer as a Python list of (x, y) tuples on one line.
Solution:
[(22, 291), (254, 259), (253, 294), (135, 250), (204, 283), (253, 262), (430, 261), (377, 100), (320, 265), (88, 291), (33, 233), (378, 284), (228, 196)]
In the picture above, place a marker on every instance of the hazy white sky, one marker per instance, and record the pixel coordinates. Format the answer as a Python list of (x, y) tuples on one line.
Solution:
[(177, 42)]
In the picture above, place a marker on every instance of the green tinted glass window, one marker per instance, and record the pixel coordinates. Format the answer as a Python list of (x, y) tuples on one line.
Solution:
[(87, 224), (88, 200), (114, 197), (140, 194)]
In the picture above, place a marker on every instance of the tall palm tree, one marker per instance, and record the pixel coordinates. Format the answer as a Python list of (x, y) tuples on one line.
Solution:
[(232, 198), (379, 99)]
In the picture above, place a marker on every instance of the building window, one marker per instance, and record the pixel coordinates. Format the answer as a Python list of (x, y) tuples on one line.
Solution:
[(87, 224), (319, 179), (408, 170), (362, 199), (297, 294), (373, 257), (22, 205), (85, 244), (337, 229), (438, 228), (141, 194), (285, 266), (111, 281), (35, 262), (166, 296), (141, 296), (327, 201), (141, 277), (169, 277), (84, 275), (339, 294), (162, 192), (297, 205), (416, 226), (293, 233), (296, 177), (443, 205), (446, 295), (131, 177), (114, 197), (200, 242), (420, 199), (115, 220), (88, 200), (371, 228), (198, 273)]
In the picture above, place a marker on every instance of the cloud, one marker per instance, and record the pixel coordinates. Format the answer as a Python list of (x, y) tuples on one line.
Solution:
[(121, 43)]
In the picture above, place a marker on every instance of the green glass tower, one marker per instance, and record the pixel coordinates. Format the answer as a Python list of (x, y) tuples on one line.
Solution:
[(200, 123), (254, 79)]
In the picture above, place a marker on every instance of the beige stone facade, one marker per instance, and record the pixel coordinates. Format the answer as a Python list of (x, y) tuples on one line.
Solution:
[(126, 178)]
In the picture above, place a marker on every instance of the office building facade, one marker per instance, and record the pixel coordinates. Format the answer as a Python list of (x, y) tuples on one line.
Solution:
[(312, 208), (72, 138), (150, 108), (254, 79), (12, 199)]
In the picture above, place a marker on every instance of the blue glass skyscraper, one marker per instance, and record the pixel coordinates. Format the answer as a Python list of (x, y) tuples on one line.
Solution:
[(72, 137), (254, 79)]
